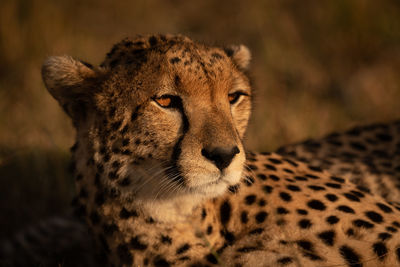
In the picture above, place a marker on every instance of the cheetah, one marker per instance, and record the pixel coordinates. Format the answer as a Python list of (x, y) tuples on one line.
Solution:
[(368, 156), (163, 179)]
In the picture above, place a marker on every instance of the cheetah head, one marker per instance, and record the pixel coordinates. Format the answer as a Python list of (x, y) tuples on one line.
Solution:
[(162, 117)]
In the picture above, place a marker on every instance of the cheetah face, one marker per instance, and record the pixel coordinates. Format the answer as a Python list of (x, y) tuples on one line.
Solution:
[(164, 117)]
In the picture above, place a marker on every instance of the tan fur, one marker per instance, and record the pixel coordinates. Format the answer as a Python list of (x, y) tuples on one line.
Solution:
[(152, 194)]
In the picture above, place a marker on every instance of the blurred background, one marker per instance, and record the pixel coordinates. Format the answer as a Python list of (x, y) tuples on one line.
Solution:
[(318, 66)]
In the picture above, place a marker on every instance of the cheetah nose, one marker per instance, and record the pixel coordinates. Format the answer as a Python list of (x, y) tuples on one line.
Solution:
[(220, 156)]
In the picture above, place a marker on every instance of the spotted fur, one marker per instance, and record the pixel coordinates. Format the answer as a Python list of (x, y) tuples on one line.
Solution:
[(168, 184), (368, 156)]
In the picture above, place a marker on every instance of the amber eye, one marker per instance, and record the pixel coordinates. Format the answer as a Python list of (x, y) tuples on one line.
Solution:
[(234, 97), (163, 101)]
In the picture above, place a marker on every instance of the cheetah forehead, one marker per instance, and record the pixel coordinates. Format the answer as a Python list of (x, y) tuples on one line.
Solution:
[(137, 51)]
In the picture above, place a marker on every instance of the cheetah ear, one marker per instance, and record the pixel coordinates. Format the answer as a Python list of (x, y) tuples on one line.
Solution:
[(71, 82), (240, 55)]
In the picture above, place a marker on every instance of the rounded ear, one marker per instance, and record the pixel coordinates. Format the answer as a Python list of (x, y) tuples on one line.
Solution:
[(240, 55), (71, 82)]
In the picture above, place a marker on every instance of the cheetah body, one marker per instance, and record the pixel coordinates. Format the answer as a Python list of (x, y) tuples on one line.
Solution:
[(161, 173)]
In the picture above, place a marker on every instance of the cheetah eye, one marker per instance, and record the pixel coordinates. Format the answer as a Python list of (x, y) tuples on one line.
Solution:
[(167, 101), (234, 97)]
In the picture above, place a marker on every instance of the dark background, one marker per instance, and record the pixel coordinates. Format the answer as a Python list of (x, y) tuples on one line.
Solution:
[(318, 66)]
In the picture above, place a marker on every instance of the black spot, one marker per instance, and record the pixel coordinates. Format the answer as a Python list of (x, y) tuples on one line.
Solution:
[(391, 229), (246, 249), (165, 239), (229, 237), (250, 199), (211, 258), (302, 212), (274, 177), (358, 146), (183, 248), (270, 167), (125, 142), (300, 178), (345, 209), (351, 197), (327, 237), (285, 196), (338, 179), (114, 192), (109, 229), (363, 224), (374, 216), (316, 188), (285, 260), (209, 230), (261, 176), (333, 185), (124, 129), (125, 182), (262, 203), (149, 220), (252, 167), (350, 256), (305, 223), (311, 176), (305, 244), (126, 152), (112, 175), (312, 256), (316, 204), (331, 197), (136, 244), (261, 216), (153, 41), (249, 180), (244, 218), (234, 188), (384, 208), (350, 232), (332, 219), (380, 250), (225, 212), (384, 137), (216, 55), (267, 189), (256, 231), (159, 261), (315, 168), (203, 214), (115, 125), (293, 188), (281, 210), (125, 214), (294, 164), (383, 236), (174, 60), (287, 170), (124, 254)]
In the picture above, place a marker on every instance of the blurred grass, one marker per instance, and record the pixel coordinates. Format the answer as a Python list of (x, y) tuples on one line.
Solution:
[(318, 66)]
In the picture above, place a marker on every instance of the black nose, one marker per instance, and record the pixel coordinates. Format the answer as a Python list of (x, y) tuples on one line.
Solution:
[(220, 156)]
